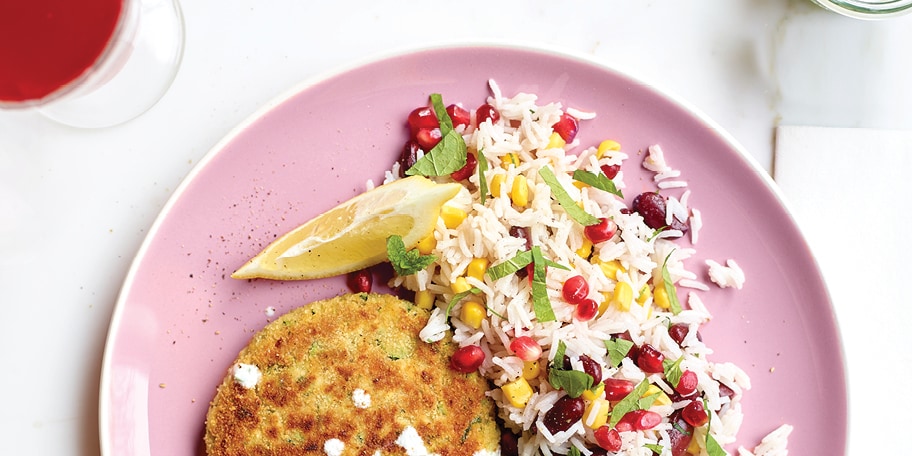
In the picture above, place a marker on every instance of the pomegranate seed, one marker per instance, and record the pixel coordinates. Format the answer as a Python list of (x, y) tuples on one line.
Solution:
[(679, 332), (725, 391), (360, 281), (586, 310), (601, 231), (467, 170), (566, 411), (687, 385), (575, 289), (610, 171), (566, 127), (680, 435), (592, 368), (651, 206), (694, 414), (467, 359), (608, 438), (427, 138), (458, 114), (526, 348), (641, 420), (408, 157), (422, 118), (617, 388), (623, 426), (650, 359), (485, 112)]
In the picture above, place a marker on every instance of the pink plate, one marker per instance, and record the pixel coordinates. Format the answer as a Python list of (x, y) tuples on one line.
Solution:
[(181, 320)]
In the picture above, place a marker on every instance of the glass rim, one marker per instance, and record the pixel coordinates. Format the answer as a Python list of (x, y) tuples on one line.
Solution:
[(98, 71), (861, 9)]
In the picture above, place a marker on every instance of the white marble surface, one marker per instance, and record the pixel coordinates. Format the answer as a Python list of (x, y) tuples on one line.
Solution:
[(76, 204)]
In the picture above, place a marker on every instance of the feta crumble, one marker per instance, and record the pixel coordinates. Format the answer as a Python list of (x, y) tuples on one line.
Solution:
[(247, 375), (361, 399), (333, 447)]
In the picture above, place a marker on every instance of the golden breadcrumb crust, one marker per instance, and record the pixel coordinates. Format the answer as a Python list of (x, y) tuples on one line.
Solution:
[(312, 360)]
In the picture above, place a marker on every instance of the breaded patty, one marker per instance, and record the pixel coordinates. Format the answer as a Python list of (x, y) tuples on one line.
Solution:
[(314, 359)]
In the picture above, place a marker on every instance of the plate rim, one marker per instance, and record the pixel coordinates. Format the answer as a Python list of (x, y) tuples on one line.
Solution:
[(105, 406)]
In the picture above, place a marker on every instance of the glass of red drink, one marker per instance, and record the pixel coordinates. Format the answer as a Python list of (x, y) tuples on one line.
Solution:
[(88, 63)]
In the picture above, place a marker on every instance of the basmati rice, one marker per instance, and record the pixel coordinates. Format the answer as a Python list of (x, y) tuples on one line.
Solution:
[(524, 129)]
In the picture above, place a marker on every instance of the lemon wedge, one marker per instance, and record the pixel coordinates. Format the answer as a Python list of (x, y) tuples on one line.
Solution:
[(352, 235)]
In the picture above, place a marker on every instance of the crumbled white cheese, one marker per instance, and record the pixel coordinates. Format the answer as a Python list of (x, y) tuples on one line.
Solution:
[(270, 311), (247, 375), (361, 399), (333, 447), (412, 443)]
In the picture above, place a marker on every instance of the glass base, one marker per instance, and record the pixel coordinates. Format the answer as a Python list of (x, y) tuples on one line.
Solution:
[(147, 72)]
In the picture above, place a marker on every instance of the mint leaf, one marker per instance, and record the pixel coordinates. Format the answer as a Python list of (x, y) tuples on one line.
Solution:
[(406, 262), (449, 154), (459, 297), (712, 446), (599, 181), (647, 401), (563, 198), (617, 350), (673, 371), (553, 264), (669, 287), (629, 403), (572, 381), (574, 451), (559, 355), (655, 448), (540, 302), (521, 260), (482, 182)]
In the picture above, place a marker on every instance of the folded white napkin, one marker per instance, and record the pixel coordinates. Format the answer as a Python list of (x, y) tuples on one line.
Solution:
[(850, 190)]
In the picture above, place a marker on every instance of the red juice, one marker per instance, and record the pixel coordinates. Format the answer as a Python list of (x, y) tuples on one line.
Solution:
[(47, 44)]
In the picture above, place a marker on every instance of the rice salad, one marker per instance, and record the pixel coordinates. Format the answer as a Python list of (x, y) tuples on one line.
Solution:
[(615, 364)]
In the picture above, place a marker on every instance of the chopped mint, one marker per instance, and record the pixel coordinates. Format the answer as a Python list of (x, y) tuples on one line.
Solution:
[(449, 154), (406, 262), (617, 350), (540, 302), (669, 287), (563, 198), (599, 181), (629, 403)]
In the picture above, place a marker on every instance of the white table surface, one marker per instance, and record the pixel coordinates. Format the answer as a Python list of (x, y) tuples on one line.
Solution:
[(76, 204)]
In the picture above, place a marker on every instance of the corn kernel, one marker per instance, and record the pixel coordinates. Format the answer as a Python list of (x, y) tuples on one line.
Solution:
[(555, 142), (496, 186), (622, 296), (586, 249), (520, 191), (427, 245), (660, 297), (605, 146), (660, 397), (452, 216), (460, 285), (531, 369), (472, 313), (611, 268), (580, 184), (424, 299), (645, 294), (518, 392), (596, 392), (477, 268), (603, 306), (509, 159), (699, 436), (596, 414)]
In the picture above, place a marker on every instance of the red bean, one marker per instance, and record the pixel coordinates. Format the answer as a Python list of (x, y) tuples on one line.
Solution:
[(591, 367), (408, 156), (651, 206), (575, 289), (467, 359), (566, 411), (680, 434)]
